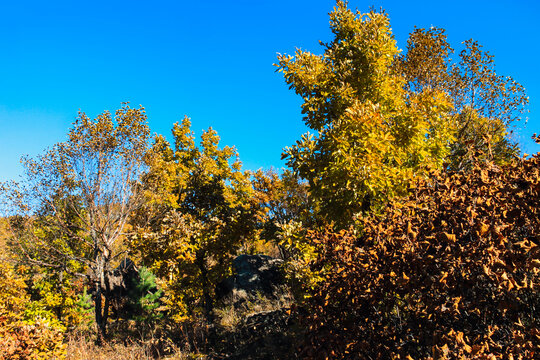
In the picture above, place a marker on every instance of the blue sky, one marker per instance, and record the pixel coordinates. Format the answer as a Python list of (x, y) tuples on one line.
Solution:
[(211, 61)]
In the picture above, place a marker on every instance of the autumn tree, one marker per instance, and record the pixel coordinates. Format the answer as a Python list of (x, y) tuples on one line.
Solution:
[(199, 213), (75, 200), (372, 136), (283, 201), (382, 119), (23, 335), (486, 106)]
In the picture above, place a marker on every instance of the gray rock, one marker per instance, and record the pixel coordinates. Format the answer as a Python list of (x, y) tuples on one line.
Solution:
[(252, 274), (266, 335)]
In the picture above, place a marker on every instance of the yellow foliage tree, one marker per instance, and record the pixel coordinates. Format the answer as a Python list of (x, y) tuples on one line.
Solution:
[(75, 200), (372, 135), (485, 105), (200, 211), (382, 119)]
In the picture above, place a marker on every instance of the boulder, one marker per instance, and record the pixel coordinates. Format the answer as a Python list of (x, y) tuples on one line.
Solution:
[(252, 275)]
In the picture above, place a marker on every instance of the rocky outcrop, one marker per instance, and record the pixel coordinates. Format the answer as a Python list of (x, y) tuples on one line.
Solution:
[(122, 278), (267, 335), (252, 275)]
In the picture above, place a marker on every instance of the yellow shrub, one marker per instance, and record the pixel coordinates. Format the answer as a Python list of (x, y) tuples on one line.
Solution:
[(34, 339)]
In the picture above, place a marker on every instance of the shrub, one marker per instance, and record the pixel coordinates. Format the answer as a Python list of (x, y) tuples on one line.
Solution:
[(25, 334), (452, 271)]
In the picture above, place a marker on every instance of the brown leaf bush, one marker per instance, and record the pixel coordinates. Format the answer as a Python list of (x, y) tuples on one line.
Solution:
[(37, 341), (451, 272)]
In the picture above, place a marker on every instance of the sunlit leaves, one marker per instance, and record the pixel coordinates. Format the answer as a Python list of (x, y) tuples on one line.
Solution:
[(23, 336), (75, 199), (200, 210), (452, 271), (373, 136), (383, 119)]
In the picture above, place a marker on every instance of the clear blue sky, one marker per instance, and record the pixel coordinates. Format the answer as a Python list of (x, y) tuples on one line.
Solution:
[(210, 60)]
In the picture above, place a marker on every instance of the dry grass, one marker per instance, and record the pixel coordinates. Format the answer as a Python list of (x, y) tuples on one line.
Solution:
[(83, 348)]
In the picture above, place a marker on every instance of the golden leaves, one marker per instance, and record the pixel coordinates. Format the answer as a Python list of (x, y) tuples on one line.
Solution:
[(450, 237), (483, 228), (410, 231), (442, 280), (202, 209), (375, 137)]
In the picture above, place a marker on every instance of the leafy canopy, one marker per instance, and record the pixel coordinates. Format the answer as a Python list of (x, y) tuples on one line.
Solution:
[(382, 119), (372, 136), (199, 213), (76, 198)]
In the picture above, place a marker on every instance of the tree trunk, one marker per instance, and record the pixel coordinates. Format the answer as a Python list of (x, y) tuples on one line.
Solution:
[(208, 305), (101, 310), (98, 310)]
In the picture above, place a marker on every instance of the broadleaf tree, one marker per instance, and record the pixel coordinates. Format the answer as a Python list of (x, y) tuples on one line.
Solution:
[(371, 135), (71, 208), (282, 200), (486, 106), (199, 213), (382, 119)]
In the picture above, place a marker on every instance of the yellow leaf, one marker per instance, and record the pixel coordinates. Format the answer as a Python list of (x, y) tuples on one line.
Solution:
[(450, 237)]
